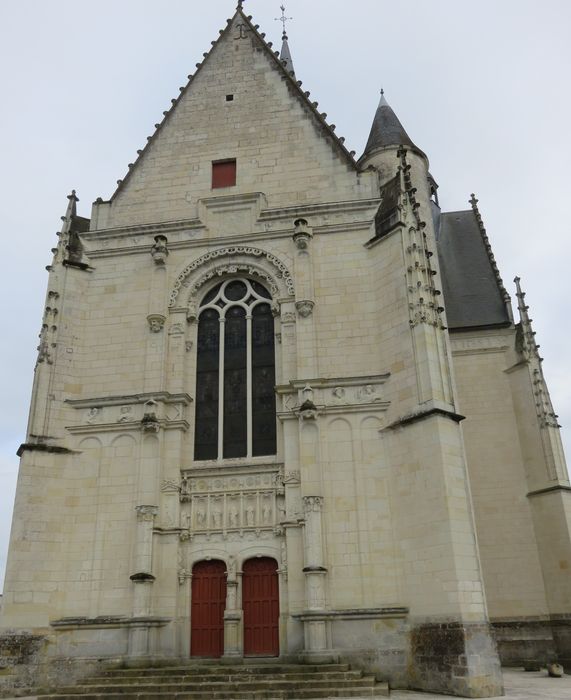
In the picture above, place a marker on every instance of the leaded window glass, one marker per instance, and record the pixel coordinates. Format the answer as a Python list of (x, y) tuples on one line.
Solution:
[(235, 373)]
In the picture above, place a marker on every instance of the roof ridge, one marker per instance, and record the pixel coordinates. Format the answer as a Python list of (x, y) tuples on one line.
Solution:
[(275, 55)]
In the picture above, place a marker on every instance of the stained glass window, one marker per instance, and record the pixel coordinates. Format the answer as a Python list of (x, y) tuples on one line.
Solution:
[(235, 374)]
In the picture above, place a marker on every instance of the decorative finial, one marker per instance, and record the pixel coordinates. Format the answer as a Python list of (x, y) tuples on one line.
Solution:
[(283, 19), (240, 5), (382, 92)]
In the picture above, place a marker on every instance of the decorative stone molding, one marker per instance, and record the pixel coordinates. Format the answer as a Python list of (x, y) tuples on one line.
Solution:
[(304, 307), (242, 259), (156, 322), (150, 421), (288, 317), (159, 251), (333, 395)]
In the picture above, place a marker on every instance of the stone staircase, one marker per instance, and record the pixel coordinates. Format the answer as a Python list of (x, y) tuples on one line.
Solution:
[(213, 682)]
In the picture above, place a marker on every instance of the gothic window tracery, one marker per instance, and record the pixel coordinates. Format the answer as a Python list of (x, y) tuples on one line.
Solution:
[(235, 373)]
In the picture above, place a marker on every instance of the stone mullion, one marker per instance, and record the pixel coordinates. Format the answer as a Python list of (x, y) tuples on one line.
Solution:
[(221, 389), (249, 388)]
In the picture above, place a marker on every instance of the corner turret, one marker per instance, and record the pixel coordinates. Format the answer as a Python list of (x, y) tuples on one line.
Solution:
[(386, 137)]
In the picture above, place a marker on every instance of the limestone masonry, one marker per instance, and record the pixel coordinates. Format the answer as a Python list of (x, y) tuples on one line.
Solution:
[(282, 408)]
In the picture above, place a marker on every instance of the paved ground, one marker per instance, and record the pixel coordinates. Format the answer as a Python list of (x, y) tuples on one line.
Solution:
[(519, 686)]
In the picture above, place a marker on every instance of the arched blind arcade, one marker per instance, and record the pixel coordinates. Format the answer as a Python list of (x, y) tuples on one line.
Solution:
[(235, 373)]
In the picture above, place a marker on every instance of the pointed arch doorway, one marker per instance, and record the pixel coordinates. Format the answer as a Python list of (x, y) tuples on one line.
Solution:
[(207, 609), (260, 602)]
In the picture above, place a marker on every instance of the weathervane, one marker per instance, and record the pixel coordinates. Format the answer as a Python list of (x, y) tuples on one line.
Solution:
[(283, 19)]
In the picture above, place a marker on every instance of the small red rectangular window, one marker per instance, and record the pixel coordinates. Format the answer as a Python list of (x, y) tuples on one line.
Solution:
[(224, 173)]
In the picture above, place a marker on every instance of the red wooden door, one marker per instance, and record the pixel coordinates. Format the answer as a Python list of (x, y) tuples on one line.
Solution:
[(207, 609), (260, 601)]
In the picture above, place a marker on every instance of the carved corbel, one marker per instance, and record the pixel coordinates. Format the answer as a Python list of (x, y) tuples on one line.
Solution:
[(308, 410), (302, 235), (304, 307), (150, 421), (156, 322)]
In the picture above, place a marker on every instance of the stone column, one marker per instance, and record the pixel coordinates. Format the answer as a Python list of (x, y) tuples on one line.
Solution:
[(232, 614), (316, 644), (142, 580)]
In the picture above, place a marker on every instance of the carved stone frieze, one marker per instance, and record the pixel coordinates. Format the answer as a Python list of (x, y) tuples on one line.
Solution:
[(117, 413), (227, 503), (332, 395)]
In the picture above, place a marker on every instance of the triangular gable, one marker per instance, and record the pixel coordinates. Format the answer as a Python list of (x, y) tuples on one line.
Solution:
[(294, 87)]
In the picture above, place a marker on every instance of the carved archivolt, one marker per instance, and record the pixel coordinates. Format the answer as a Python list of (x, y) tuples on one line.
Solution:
[(242, 259)]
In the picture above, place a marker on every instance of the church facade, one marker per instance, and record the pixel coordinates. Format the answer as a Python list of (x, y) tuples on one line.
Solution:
[(282, 408)]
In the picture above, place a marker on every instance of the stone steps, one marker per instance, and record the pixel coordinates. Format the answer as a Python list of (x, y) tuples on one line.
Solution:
[(228, 678), (269, 681)]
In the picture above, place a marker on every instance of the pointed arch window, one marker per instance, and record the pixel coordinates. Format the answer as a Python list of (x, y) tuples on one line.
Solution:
[(235, 373)]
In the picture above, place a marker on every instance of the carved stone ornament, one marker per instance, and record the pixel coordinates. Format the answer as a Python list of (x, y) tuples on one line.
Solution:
[(92, 415), (192, 313), (313, 504), (303, 235), (147, 513), (302, 240), (304, 307), (281, 271), (288, 317), (176, 329), (150, 421), (159, 251), (156, 322)]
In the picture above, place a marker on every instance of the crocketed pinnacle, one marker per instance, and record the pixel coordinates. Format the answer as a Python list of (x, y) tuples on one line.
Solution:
[(387, 129)]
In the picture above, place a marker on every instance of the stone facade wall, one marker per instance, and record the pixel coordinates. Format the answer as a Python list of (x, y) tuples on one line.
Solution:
[(369, 507)]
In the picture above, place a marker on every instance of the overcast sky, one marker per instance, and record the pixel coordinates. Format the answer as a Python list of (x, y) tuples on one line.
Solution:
[(482, 87)]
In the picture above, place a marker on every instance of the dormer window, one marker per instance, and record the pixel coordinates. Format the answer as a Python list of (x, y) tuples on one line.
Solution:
[(223, 173)]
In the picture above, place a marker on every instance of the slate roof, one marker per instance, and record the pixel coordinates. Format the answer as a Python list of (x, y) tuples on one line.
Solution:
[(473, 294), (387, 129)]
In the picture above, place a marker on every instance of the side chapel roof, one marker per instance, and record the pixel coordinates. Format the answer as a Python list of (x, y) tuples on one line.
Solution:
[(473, 290)]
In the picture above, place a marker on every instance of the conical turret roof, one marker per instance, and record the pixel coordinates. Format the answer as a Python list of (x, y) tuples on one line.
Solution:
[(387, 129)]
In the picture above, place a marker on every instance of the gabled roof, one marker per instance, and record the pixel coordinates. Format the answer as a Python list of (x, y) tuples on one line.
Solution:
[(284, 66)]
